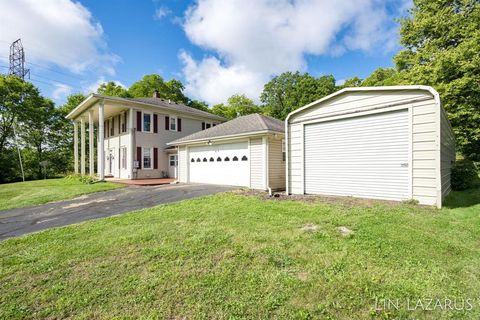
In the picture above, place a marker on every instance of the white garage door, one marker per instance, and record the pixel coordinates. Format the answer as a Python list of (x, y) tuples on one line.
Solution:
[(361, 157), (227, 164)]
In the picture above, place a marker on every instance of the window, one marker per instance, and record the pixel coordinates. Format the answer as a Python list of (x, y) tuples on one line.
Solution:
[(173, 160), (193, 160), (211, 159), (123, 122), (227, 159), (198, 160), (235, 158), (244, 158), (147, 122), (208, 125), (219, 159), (147, 158), (173, 123), (123, 153), (204, 159), (284, 155), (112, 131)]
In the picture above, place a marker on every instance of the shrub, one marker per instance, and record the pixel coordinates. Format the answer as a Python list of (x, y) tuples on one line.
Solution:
[(82, 178), (464, 175)]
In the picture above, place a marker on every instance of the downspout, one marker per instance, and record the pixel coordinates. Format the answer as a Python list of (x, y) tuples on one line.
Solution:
[(287, 139)]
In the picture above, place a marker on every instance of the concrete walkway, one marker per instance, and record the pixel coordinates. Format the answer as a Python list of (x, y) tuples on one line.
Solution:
[(20, 221)]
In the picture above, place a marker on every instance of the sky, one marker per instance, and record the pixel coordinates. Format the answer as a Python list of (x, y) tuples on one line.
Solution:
[(217, 48)]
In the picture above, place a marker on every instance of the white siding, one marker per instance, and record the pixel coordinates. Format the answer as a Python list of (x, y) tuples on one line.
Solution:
[(426, 141), (276, 165), (257, 164), (182, 164)]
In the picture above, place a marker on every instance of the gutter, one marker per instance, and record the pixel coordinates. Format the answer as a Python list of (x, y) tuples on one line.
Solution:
[(224, 137)]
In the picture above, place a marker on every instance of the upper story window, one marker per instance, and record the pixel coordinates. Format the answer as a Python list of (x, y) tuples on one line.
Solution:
[(123, 122), (147, 122), (112, 127), (173, 123)]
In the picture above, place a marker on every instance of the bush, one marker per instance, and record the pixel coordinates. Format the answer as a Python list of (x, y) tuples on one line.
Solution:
[(464, 175), (84, 179)]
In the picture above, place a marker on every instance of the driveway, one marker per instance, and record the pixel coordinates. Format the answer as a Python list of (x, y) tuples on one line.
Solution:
[(20, 221)]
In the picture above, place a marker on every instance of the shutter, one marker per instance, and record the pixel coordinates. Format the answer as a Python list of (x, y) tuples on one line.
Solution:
[(155, 123), (105, 129), (139, 121), (113, 126), (167, 122), (179, 124), (139, 157), (203, 125), (155, 158), (108, 128), (119, 158), (119, 124), (125, 122)]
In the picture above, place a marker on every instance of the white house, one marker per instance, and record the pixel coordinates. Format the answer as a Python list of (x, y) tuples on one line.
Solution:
[(132, 135), (247, 151), (392, 143)]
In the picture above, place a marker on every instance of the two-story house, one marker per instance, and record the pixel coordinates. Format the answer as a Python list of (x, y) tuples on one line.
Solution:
[(130, 135)]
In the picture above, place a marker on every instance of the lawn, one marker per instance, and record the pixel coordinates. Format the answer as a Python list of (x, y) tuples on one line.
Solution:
[(235, 256), (30, 193)]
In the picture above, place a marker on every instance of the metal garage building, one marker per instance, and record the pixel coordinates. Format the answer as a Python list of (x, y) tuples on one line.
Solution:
[(246, 151), (392, 143)]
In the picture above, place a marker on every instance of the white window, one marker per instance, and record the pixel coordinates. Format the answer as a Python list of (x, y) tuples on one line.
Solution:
[(147, 122), (112, 129), (284, 155), (123, 122), (123, 153), (173, 160), (173, 123), (147, 158)]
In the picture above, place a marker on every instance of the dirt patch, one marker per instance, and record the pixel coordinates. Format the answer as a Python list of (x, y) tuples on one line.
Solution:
[(310, 227), (344, 231)]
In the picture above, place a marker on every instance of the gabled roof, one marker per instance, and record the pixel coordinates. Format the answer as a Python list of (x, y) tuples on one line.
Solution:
[(249, 124), (153, 102)]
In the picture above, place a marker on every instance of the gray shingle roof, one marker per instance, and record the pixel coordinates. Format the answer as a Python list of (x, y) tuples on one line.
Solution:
[(176, 107), (241, 125)]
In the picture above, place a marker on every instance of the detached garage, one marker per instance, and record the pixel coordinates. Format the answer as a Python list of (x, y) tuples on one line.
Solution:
[(392, 143), (247, 151)]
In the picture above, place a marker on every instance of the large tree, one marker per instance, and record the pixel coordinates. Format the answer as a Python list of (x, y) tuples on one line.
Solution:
[(442, 49), (237, 105), (112, 89), (289, 91)]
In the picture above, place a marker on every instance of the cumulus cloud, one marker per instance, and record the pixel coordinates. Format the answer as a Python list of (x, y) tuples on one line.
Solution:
[(59, 32), (251, 40), (161, 13), (61, 91)]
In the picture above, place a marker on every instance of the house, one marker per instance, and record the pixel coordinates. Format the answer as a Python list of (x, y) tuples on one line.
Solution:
[(392, 143), (132, 135), (247, 151)]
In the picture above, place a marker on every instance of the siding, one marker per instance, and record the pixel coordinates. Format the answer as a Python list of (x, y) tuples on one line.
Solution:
[(295, 158), (183, 164), (257, 164), (447, 153), (276, 165)]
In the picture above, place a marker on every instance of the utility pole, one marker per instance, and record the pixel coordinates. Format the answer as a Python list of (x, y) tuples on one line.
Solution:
[(17, 68)]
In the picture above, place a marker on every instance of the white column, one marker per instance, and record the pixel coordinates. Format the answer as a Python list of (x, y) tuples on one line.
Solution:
[(101, 151), (91, 134), (75, 145), (132, 139), (82, 146)]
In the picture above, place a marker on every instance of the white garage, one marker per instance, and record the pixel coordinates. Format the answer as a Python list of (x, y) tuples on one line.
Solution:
[(247, 151), (392, 143)]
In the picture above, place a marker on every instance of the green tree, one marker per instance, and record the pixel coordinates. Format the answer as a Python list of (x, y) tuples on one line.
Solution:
[(442, 49), (169, 90), (352, 82), (112, 89), (381, 77), (237, 105), (290, 91)]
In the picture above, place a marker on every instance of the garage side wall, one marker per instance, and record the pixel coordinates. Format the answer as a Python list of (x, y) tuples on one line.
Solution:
[(183, 164), (257, 164), (276, 164), (447, 153)]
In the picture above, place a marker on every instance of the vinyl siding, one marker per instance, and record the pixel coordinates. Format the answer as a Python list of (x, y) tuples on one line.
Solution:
[(182, 164), (425, 149), (257, 164), (276, 165)]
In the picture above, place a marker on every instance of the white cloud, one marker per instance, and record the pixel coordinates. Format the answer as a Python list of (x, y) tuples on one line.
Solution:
[(255, 39), (61, 91), (92, 87), (161, 13), (59, 32)]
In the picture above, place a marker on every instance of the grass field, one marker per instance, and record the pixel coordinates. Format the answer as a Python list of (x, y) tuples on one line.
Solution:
[(30, 193), (232, 256)]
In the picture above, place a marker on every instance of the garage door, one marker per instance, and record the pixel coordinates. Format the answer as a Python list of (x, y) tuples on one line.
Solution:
[(361, 157), (227, 164)]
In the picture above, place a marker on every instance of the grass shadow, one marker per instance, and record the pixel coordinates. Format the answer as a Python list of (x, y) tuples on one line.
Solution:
[(462, 199)]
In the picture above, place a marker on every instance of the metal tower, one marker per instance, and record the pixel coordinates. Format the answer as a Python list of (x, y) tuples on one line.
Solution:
[(17, 60)]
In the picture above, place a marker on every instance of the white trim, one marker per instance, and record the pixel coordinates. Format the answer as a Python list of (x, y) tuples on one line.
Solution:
[(287, 162), (170, 118), (302, 157), (265, 158), (151, 158), (225, 137), (143, 120), (410, 151)]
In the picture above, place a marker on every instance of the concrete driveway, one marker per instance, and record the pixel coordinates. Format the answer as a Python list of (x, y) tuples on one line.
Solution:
[(20, 221)]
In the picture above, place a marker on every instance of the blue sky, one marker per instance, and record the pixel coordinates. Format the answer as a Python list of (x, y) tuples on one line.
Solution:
[(215, 47)]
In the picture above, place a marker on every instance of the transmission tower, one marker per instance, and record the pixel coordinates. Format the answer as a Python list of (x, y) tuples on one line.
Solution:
[(17, 60)]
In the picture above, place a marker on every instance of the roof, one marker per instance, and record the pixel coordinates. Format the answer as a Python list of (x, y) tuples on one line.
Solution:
[(244, 125), (154, 102), (429, 89)]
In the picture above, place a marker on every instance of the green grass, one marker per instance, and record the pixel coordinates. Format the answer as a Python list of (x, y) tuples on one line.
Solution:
[(231, 256), (30, 193)]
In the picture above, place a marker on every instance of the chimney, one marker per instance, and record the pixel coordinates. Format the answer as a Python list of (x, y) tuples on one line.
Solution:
[(156, 94)]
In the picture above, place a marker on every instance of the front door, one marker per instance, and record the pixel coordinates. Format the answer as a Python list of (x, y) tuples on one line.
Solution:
[(111, 162), (172, 166)]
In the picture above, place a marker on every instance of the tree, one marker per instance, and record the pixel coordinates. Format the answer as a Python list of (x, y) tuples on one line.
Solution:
[(169, 90), (381, 77), (352, 82), (237, 105), (112, 89), (290, 91), (442, 49)]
